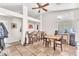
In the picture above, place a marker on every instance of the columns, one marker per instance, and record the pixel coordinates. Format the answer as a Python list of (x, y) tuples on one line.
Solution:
[(24, 23)]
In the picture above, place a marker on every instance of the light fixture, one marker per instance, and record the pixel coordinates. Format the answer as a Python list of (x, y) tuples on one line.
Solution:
[(59, 17)]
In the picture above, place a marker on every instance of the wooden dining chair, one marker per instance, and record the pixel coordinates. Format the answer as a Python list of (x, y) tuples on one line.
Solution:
[(58, 43), (30, 38), (46, 42), (34, 36), (43, 34), (38, 36), (66, 38)]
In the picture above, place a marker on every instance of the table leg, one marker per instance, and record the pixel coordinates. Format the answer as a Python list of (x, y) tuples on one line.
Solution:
[(45, 42), (54, 45)]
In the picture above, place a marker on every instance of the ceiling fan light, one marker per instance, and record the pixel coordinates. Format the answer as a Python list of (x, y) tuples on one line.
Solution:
[(41, 7)]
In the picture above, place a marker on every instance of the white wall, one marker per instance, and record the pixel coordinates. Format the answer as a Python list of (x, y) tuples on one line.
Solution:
[(34, 22), (77, 31), (13, 34), (68, 24), (49, 23), (76, 17), (34, 25)]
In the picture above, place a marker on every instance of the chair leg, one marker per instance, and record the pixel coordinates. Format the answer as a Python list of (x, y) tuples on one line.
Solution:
[(50, 42), (38, 39), (61, 45), (32, 40), (46, 43), (43, 41), (54, 45)]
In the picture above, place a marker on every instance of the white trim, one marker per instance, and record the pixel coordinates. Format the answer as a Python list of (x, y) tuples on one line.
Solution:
[(9, 13), (33, 19)]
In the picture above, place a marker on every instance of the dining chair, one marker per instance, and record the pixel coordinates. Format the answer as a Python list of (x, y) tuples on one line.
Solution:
[(30, 38), (38, 35), (66, 38), (43, 34), (46, 42), (34, 36), (58, 42)]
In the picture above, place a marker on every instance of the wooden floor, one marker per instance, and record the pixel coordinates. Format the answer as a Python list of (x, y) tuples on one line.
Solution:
[(38, 49)]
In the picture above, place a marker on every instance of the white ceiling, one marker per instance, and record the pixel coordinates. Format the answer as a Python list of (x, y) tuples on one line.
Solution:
[(17, 7), (52, 7)]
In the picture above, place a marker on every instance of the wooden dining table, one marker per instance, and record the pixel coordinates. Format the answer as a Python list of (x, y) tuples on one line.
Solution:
[(53, 38)]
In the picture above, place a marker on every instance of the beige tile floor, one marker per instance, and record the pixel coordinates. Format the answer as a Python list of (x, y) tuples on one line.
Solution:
[(38, 49)]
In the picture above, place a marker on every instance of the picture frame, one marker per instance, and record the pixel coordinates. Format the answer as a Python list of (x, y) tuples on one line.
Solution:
[(13, 25)]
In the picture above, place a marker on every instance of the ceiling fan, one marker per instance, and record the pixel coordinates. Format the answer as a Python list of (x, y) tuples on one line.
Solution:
[(41, 7)]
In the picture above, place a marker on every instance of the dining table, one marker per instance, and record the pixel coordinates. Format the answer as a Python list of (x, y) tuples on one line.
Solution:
[(53, 38)]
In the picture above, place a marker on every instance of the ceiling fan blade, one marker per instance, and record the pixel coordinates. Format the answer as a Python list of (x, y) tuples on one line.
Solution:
[(44, 9), (45, 4), (38, 4), (36, 8)]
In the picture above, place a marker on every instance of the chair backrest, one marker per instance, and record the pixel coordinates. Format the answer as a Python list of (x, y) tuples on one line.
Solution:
[(30, 35), (38, 34), (43, 34), (65, 37), (34, 34), (61, 38), (56, 32)]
